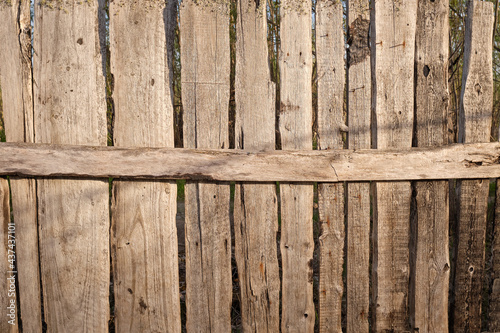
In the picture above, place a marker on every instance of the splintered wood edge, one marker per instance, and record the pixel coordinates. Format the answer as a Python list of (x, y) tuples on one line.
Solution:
[(458, 161)]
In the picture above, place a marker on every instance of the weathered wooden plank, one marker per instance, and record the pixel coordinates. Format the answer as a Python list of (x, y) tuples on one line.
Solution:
[(393, 44), (331, 80), (255, 205), (295, 124), (143, 229), (458, 161), (73, 215), (476, 105), (430, 243), (494, 301), (16, 78), (205, 96), (358, 194), (8, 300)]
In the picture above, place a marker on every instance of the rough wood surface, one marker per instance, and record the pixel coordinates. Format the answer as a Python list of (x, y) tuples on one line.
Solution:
[(430, 244), (295, 124), (16, 80), (8, 259), (255, 205), (204, 29), (393, 47), (330, 80), (144, 234), (73, 215), (494, 313), (447, 162), (476, 105), (358, 194)]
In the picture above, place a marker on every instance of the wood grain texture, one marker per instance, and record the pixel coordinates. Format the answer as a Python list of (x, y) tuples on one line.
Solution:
[(205, 95), (430, 244), (467, 161), (295, 124), (7, 261), (494, 301), (144, 234), (476, 105), (393, 52), (16, 78), (358, 194), (73, 215), (331, 81), (255, 205)]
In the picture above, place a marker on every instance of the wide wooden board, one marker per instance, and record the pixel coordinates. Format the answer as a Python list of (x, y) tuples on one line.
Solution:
[(393, 52), (476, 105), (359, 137), (205, 58), (73, 215), (430, 244), (17, 95), (255, 205), (330, 50), (295, 124), (144, 234), (447, 162)]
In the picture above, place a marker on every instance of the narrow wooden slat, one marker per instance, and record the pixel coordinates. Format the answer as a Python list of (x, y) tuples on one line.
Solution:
[(8, 301), (255, 205), (73, 215), (205, 96), (144, 234), (494, 301), (16, 77), (331, 80), (297, 243), (476, 105), (430, 252), (393, 41), (358, 194)]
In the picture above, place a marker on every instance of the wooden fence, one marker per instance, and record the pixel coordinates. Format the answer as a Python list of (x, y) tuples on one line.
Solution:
[(88, 254)]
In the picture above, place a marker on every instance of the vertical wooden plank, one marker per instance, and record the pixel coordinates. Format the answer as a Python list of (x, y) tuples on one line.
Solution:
[(73, 215), (358, 194), (430, 251), (393, 44), (331, 80), (476, 105), (144, 234), (494, 314), (205, 96), (16, 80), (255, 205), (297, 243), (9, 322)]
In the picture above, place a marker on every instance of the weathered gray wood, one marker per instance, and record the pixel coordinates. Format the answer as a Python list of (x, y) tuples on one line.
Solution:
[(73, 215), (8, 301), (393, 44), (331, 80), (295, 123), (458, 161), (476, 105), (358, 194), (144, 234), (205, 95), (16, 78), (494, 301), (430, 243), (255, 205)]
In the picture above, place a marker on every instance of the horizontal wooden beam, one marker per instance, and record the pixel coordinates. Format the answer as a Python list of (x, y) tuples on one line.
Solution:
[(463, 161)]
